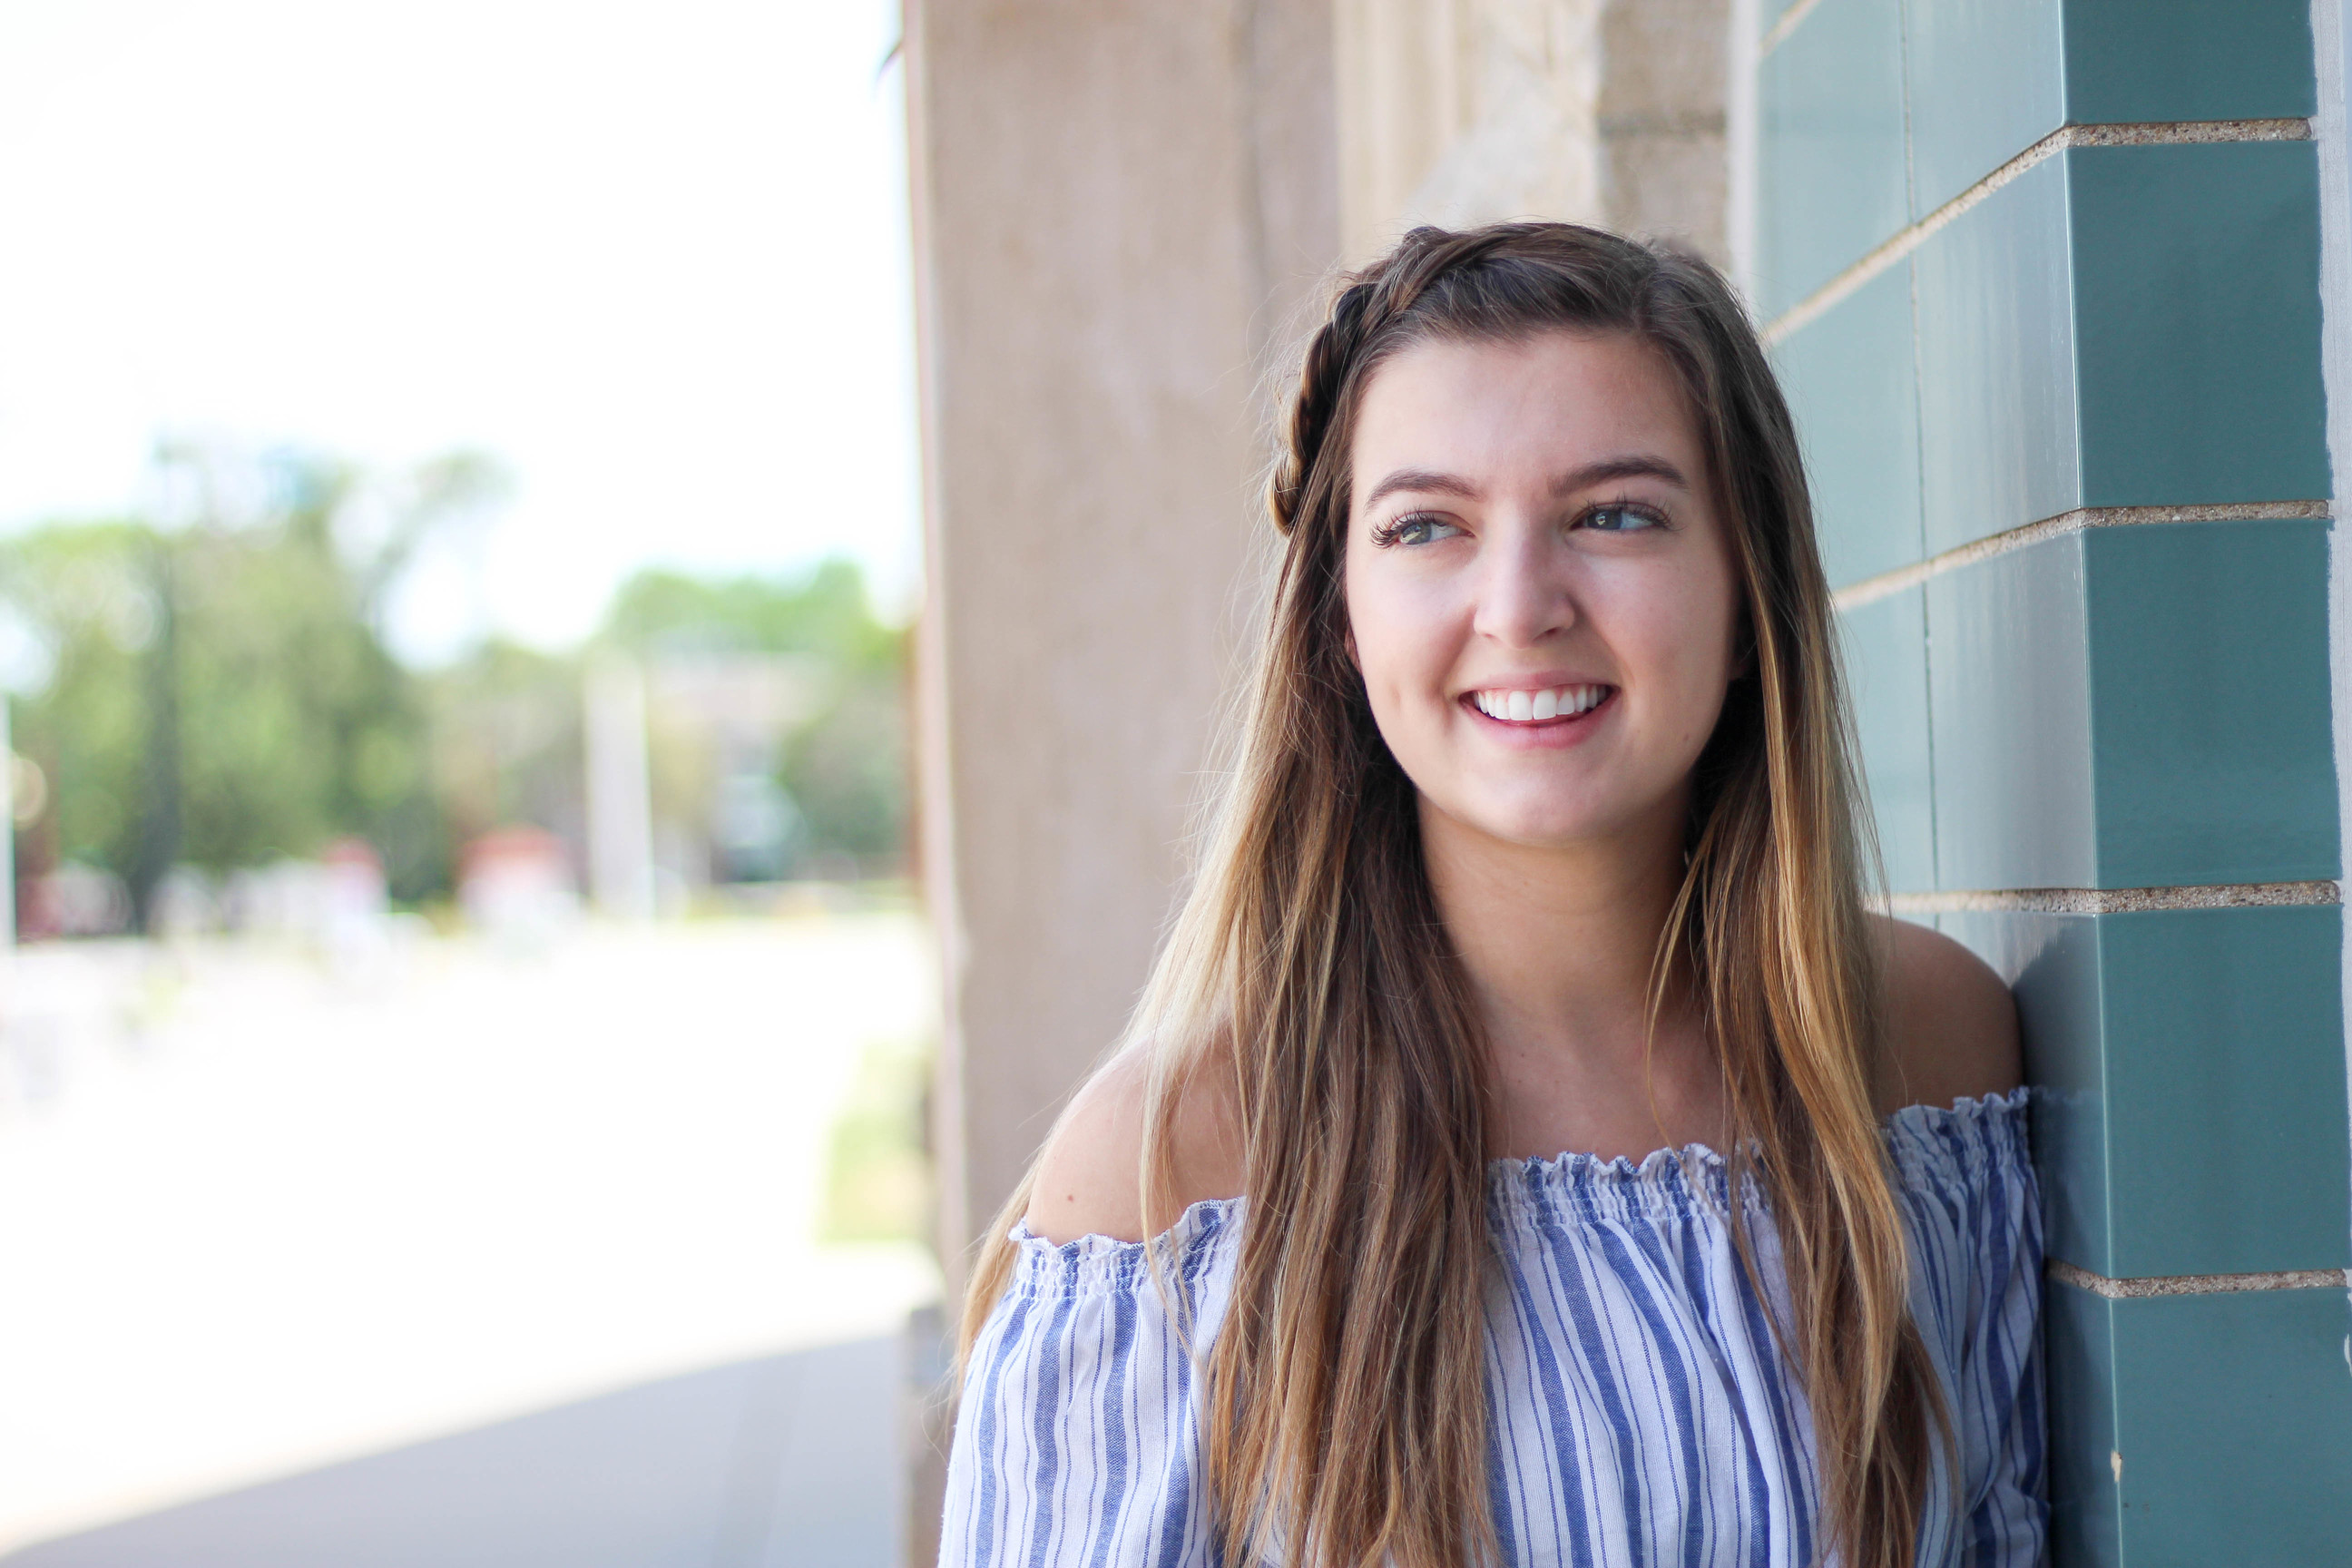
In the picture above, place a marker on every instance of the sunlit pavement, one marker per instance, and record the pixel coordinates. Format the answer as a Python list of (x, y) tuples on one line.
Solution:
[(261, 1215)]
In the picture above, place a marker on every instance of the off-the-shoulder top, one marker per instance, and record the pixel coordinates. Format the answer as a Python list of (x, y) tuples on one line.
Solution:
[(1641, 1412)]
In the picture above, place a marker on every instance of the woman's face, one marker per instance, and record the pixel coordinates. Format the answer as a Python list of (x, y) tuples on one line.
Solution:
[(1540, 596)]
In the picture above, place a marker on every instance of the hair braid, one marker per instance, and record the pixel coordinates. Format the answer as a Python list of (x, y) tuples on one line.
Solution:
[(1330, 357), (1371, 299)]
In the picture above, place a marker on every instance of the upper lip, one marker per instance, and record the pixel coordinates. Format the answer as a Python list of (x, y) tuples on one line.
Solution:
[(1535, 683)]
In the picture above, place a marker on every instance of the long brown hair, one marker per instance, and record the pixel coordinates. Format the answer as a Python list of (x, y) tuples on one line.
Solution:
[(1308, 973)]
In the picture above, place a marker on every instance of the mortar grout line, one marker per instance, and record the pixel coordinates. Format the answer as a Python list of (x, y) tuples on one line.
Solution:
[(1885, 584), (2117, 900), (1778, 33), (1907, 240), (2197, 1284)]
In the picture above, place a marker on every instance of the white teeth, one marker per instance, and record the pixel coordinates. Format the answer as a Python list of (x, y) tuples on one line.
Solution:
[(1535, 706)]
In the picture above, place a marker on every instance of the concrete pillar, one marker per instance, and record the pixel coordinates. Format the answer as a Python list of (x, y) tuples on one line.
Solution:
[(1466, 111), (1120, 208), (620, 790)]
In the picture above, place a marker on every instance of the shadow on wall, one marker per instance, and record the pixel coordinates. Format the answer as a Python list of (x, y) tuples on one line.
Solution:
[(787, 1460)]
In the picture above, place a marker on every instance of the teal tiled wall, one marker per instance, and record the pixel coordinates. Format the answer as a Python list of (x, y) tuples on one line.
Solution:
[(1855, 376), (2118, 706), (2141, 1128), (2199, 1430), (1831, 173), (2080, 733), (2118, 326), (1988, 79), (1886, 656)]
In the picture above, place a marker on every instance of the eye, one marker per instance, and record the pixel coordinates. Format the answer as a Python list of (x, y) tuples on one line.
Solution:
[(1621, 517), (1413, 527)]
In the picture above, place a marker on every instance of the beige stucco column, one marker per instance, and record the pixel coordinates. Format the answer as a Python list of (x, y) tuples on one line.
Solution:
[(1466, 111), (1120, 207)]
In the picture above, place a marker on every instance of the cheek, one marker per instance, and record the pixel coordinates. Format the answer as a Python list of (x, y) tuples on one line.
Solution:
[(1384, 635), (1682, 632)]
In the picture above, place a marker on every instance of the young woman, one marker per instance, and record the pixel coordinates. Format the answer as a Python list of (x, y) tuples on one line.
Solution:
[(1539, 881)]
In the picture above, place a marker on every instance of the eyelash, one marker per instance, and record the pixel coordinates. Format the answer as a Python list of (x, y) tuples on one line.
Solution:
[(1392, 532)]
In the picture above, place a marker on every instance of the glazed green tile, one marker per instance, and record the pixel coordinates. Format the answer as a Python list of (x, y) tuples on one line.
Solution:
[(2050, 963), (2123, 326), (1829, 165), (2079, 1366), (2214, 755), (2193, 1430), (2010, 715), (1849, 377), (2140, 61), (1886, 656), (2137, 705), (1996, 361), (1985, 80), (2223, 1034), (2161, 1046), (2196, 305), (1988, 79)]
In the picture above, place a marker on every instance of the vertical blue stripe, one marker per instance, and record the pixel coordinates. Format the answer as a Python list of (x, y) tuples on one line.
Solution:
[(1554, 1386), (1599, 1346), (1669, 1362), (1115, 1403), (983, 1553)]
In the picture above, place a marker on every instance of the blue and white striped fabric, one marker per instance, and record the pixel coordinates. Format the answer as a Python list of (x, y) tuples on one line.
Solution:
[(1642, 1414)]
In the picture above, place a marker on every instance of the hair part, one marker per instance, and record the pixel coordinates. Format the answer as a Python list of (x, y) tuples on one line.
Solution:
[(1308, 969)]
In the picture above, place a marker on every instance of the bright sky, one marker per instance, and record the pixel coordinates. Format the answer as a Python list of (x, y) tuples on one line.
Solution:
[(652, 257)]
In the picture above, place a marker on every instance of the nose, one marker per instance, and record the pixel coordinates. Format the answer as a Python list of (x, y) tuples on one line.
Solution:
[(1524, 592)]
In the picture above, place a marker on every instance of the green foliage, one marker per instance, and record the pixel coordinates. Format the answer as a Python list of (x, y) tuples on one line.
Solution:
[(85, 597), (846, 768), (220, 694), (506, 739), (663, 611)]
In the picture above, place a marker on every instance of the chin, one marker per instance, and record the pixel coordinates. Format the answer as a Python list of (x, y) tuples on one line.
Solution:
[(1545, 827), (1553, 818)]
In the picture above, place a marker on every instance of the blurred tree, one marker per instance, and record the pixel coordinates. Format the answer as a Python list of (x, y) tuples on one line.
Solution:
[(215, 689), (219, 692), (846, 768), (507, 743)]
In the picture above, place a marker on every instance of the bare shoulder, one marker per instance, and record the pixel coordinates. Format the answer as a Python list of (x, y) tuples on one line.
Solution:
[(1086, 1181), (1951, 1025)]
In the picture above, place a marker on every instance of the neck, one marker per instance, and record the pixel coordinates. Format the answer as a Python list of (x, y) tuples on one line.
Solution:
[(1559, 944)]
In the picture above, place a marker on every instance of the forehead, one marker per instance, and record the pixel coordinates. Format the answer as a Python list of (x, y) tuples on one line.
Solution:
[(1536, 405)]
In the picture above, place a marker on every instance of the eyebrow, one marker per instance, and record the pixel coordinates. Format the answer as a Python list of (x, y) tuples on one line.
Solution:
[(1633, 465)]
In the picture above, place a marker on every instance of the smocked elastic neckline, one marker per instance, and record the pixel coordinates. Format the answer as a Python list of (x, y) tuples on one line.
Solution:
[(1673, 1181), (1971, 1115), (1969, 1128)]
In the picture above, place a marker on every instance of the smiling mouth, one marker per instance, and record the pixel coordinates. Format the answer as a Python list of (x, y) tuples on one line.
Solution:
[(1539, 706)]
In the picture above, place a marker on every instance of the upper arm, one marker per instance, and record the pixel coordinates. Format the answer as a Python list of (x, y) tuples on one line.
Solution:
[(1088, 1179), (1950, 1025)]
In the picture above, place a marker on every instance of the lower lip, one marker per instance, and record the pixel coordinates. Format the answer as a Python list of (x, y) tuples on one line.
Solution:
[(1564, 731)]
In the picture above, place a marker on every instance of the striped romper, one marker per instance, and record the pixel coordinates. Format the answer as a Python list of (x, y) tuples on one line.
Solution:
[(1642, 1414)]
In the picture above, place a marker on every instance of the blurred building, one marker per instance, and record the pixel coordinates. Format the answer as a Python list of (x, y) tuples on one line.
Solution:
[(2046, 281), (517, 886)]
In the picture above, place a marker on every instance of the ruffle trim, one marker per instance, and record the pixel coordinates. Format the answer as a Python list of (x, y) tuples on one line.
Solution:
[(1928, 1144)]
